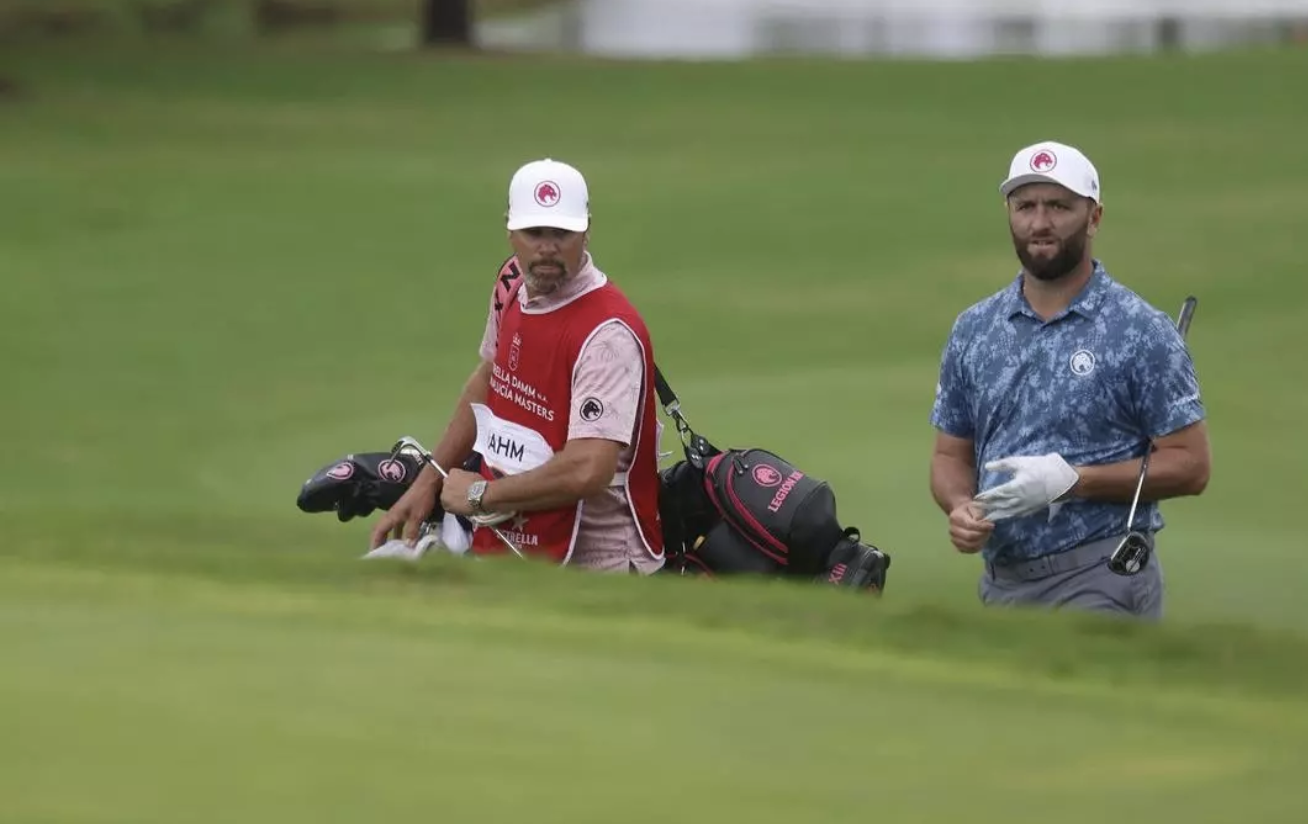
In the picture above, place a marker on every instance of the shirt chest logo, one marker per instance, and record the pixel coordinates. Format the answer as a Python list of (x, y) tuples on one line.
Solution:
[(1082, 362)]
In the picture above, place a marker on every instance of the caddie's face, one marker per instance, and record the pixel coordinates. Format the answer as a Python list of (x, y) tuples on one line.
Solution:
[(1051, 228), (548, 256)]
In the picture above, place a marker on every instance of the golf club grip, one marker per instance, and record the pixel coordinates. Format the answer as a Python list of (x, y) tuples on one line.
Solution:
[(1187, 315)]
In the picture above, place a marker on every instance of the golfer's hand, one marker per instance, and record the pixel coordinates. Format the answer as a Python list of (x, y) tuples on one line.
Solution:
[(968, 529), (454, 494), (415, 506), (1037, 482)]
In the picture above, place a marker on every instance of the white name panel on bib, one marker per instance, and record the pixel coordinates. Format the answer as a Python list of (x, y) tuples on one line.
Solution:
[(507, 446)]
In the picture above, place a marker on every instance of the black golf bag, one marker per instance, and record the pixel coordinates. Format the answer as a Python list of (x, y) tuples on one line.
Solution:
[(750, 511)]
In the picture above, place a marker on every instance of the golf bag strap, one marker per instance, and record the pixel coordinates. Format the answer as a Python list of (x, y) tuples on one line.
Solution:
[(697, 449), (666, 396)]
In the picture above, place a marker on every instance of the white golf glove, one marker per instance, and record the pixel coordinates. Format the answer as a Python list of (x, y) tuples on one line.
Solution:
[(1038, 482)]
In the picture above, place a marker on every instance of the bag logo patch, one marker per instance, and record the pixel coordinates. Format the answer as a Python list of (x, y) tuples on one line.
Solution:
[(765, 475)]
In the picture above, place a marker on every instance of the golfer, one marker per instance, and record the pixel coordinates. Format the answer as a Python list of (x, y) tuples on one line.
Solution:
[(560, 410), (1050, 392)]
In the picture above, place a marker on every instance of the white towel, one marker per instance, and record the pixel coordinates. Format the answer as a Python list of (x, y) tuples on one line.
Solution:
[(450, 536)]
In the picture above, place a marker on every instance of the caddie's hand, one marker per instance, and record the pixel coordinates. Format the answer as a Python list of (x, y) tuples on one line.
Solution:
[(1038, 482), (968, 528), (454, 495), (415, 506)]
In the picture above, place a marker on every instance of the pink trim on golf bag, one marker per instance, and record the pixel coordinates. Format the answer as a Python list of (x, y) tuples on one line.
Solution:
[(739, 515), (784, 513)]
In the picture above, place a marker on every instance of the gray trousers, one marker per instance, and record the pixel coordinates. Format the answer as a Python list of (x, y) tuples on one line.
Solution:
[(1076, 579)]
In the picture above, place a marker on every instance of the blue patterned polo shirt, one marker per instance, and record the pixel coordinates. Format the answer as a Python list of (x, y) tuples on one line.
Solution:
[(1093, 384)]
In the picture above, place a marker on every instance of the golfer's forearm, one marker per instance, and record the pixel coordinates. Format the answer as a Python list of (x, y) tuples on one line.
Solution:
[(570, 476), (461, 434), (953, 481), (1172, 474)]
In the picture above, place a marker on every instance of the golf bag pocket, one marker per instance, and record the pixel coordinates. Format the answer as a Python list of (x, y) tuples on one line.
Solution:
[(785, 514), (723, 549), (685, 511)]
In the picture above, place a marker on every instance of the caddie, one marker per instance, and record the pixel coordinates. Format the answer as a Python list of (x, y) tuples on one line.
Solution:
[(560, 410), (1050, 392)]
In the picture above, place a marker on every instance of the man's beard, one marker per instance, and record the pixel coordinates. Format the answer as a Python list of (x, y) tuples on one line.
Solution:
[(545, 284), (1069, 255)]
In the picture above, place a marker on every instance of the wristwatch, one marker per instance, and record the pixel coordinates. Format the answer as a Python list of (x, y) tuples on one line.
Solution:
[(476, 492)]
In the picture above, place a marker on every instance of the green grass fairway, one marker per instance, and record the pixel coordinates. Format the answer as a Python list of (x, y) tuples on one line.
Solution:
[(243, 692), (223, 267)]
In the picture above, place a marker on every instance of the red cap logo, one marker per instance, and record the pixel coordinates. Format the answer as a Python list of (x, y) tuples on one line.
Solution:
[(547, 193), (1043, 161)]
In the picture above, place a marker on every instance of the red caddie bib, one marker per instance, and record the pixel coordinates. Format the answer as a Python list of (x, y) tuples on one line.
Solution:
[(525, 419)]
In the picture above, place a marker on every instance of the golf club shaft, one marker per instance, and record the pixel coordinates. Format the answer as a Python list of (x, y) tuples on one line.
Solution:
[(430, 460), (1183, 326)]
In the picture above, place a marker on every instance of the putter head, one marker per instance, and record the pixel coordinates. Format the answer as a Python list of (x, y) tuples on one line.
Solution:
[(1131, 555)]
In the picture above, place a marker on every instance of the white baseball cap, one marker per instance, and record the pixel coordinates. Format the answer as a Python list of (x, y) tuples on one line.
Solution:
[(1052, 162), (549, 193)]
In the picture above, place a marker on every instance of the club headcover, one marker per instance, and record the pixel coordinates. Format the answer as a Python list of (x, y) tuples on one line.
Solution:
[(358, 484), (856, 565)]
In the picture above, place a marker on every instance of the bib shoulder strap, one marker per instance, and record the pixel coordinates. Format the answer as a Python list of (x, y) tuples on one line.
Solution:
[(507, 283)]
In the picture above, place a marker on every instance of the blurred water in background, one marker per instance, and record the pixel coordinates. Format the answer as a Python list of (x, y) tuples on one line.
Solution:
[(732, 29)]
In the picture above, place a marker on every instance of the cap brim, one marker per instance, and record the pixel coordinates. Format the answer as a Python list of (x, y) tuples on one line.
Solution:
[(571, 224), (1014, 183)]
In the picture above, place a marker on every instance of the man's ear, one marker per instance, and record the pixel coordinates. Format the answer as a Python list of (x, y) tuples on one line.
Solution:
[(1096, 216)]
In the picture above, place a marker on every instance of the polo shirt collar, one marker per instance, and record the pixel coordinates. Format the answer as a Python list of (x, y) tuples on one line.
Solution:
[(1085, 304)]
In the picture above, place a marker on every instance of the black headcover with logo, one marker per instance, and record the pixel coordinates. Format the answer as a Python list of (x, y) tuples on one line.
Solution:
[(358, 484)]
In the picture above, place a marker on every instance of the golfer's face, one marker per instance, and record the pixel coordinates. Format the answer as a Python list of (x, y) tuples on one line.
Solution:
[(1050, 227), (548, 256)]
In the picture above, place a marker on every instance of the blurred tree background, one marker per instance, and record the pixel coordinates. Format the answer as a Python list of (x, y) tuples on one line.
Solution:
[(438, 22)]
